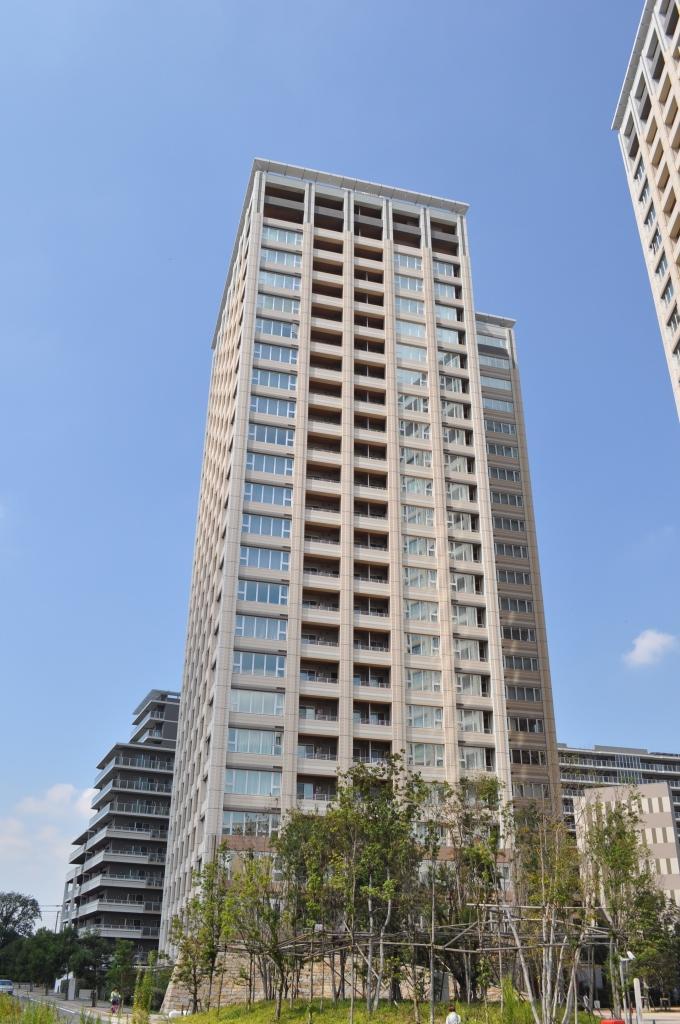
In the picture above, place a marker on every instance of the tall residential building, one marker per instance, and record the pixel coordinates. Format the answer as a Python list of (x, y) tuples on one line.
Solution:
[(648, 127), (583, 768), (365, 576), (116, 885)]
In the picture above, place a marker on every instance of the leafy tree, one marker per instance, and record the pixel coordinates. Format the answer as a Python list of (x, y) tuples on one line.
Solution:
[(18, 914), (187, 939), (141, 1004), (90, 961), (47, 955), (122, 970)]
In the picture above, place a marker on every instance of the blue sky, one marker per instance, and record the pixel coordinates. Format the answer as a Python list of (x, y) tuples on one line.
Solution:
[(128, 133)]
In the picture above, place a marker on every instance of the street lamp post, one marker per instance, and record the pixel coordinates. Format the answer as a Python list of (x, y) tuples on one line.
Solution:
[(625, 960)]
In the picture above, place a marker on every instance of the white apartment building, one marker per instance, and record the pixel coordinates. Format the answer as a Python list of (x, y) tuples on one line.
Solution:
[(366, 577), (648, 127)]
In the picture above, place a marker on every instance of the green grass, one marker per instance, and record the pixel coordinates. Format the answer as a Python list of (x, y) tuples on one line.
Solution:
[(15, 1011)]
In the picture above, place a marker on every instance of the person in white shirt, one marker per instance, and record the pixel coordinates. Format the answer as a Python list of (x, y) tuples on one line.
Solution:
[(452, 1017)]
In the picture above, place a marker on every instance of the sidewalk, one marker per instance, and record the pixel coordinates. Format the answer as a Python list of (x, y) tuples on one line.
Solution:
[(74, 1007)]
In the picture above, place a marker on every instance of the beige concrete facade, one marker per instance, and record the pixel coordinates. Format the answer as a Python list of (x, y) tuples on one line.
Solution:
[(648, 127), (657, 826), (366, 575)]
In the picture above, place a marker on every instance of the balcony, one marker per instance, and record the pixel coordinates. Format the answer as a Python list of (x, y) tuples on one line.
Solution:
[(365, 640), (318, 711), (366, 714), (374, 680), (320, 791), (368, 752), (309, 749), (123, 761), (318, 673)]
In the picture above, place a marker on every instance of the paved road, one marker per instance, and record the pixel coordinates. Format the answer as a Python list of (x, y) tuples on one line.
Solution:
[(70, 1008)]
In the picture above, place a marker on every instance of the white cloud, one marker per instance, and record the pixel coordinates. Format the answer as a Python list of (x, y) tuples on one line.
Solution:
[(36, 840), (649, 648)]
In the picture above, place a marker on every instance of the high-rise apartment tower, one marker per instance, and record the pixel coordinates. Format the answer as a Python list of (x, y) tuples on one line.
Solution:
[(648, 125), (365, 575)]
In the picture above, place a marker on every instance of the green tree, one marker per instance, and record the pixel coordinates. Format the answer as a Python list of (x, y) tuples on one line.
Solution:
[(122, 971), (47, 955), (144, 987), (90, 961), (18, 914)]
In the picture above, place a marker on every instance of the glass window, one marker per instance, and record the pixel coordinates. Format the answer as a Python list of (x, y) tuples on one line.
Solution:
[(414, 306), (424, 716), (254, 741), (406, 262), (413, 403), (410, 330), (455, 435), (470, 720), (250, 823), (417, 515), (426, 755), (262, 592), (508, 451), (271, 435), (270, 234), (416, 577), (256, 702), (494, 361), (531, 790), (267, 494), (445, 336), (252, 782), (415, 457), (412, 378), (453, 410), (278, 328), (252, 663), (471, 684), (447, 358), (460, 520), (457, 463), (531, 694), (425, 546), (265, 558), (274, 353), (416, 485), (413, 428), (283, 259), (475, 759), (274, 379), (278, 303), (422, 644), (466, 649), (265, 526), (447, 312), (447, 383), (444, 269), (520, 663), (506, 523), (273, 280), (413, 353), (277, 464), (499, 427), (489, 340), (464, 583), (410, 284), (514, 576), (261, 627), (507, 498), (459, 492), (668, 292), (662, 266), (464, 614), (516, 604), (421, 611), (272, 406), (496, 382), (425, 680), (511, 550), (519, 723)]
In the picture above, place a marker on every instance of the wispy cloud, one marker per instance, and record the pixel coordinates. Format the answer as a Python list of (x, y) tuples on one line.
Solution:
[(35, 842), (649, 647)]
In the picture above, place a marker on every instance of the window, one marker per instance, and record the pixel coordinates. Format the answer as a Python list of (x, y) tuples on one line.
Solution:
[(504, 523), (254, 741), (412, 353), (266, 494), (524, 693), (444, 291), (275, 353), (446, 312), (272, 406), (508, 451), (424, 680), (411, 428), (471, 720), (494, 362), (412, 378), (511, 550), (277, 328), (499, 427), (651, 216), (256, 702), (468, 650), (639, 170), (271, 435), (465, 614), (274, 379), (502, 473), (414, 306), (410, 284), (489, 340), (265, 558), (506, 498), (470, 684), (421, 611), (520, 663), (424, 546), (464, 583), (278, 303), (445, 336), (645, 193), (426, 755), (462, 551), (519, 723), (514, 576), (668, 292), (460, 520), (460, 492), (662, 266), (417, 515), (261, 627), (406, 262), (517, 604), (455, 435), (452, 384), (415, 457), (265, 526), (424, 716), (283, 259), (422, 644), (475, 759), (446, 358), (655, 243), (262, 592), (421, 578), (413, 403), (250, 823), (673, 321), (416, 485), (410, 330), (274, 280), (458, 463), (453, 410), (444, 269), (531, 790), (276, 464), (252, 782), (497, 404), (525, 755), (270, 234), (251, 663)]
